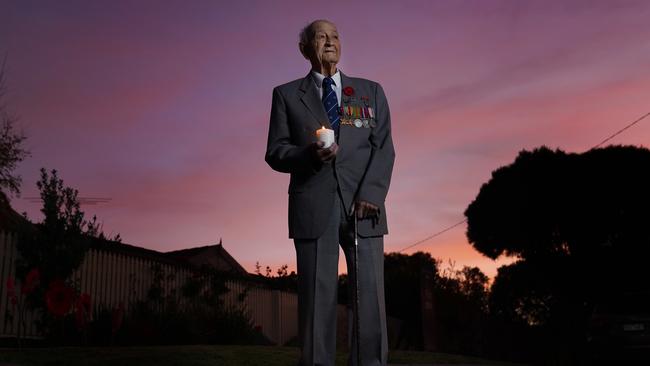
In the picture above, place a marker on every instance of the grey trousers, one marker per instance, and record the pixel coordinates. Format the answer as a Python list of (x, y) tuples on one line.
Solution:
[(318, 289)]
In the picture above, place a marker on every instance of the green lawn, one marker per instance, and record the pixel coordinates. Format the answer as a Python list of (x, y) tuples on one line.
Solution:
[(198, 355)]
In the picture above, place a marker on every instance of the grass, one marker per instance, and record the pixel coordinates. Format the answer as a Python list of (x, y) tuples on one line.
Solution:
[(197, 355)]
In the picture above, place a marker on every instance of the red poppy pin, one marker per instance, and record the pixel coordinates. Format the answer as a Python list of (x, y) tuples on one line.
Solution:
[(348, 90)]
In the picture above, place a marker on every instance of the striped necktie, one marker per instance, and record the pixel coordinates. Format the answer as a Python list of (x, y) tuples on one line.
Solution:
[(331, 104)]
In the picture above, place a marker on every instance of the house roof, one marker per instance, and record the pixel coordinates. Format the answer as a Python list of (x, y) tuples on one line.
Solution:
[(135, 251), (12, 221), (215, 249), (182, 257)]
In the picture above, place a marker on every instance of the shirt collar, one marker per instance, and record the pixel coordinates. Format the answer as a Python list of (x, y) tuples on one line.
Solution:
[(318, 78)]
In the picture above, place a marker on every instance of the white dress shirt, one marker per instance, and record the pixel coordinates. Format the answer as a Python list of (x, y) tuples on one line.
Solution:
[(318, 80)]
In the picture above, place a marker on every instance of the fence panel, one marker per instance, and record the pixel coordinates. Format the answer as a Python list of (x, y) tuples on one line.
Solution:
[(9, 321), (4, 275), (110, 278)]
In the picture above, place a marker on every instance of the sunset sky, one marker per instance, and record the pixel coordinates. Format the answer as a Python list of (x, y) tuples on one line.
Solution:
[(164, 106)]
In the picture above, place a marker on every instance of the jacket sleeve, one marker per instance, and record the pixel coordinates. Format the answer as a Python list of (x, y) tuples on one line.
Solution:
[(281, 154), (375, 183)]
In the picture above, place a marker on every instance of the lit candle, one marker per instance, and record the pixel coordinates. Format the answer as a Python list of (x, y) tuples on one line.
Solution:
[(325, 135)]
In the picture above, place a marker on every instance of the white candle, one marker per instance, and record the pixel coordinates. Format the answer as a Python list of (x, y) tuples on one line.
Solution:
[(325, 135)]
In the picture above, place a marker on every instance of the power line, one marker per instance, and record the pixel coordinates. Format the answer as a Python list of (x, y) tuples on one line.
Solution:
[(82, 200), (622, 129), (434, 235), (465, 220)]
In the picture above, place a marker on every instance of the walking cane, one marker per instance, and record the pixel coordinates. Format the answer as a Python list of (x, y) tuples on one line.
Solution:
[(356, 287)]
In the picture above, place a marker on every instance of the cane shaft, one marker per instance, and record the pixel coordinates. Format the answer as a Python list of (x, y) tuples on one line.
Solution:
[(356, 289)]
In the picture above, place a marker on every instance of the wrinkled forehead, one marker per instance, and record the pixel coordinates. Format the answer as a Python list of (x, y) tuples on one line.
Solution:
[(324, 26)]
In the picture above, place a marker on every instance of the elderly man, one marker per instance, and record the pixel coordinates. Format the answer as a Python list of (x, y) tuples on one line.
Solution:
[(328, 187)]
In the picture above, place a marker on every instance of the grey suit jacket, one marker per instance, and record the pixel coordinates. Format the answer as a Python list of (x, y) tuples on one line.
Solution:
[(363, 165)]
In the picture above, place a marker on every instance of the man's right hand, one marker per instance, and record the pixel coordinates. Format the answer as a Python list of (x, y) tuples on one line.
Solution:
[(322, 154)]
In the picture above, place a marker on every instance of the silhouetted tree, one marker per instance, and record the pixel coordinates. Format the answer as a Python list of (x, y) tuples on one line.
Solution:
[(522, 294), (11, 150), (402, 279), (460, 310), (283, 281), (518, 211), (578, 224), (58, 244), (474, 285), (282, 271)]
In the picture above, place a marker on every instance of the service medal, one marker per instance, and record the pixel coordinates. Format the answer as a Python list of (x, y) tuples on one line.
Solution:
[(358, 123)]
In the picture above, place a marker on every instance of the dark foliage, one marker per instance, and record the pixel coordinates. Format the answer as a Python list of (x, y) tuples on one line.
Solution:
[(284, 280), (402, 281), (56, 246), (11, 149), (578, 224)]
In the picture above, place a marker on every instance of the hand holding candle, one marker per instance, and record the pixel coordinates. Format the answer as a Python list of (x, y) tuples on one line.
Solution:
[(326, 136), (325, 149)]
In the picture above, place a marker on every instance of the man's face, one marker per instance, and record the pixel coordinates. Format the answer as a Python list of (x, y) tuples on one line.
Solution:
[(325, 47)]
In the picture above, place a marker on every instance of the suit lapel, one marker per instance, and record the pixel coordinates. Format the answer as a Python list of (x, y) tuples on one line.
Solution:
[(313, 102), (345, 82)]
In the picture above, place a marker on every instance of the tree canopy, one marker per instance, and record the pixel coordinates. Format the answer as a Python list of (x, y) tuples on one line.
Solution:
[(591, 207), (578, 224), (11, 150)]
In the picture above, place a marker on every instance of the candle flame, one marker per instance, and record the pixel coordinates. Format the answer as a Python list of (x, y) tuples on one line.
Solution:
[(323, 128)]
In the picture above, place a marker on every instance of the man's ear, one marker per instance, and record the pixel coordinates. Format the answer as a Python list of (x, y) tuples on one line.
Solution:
[(303, 50)]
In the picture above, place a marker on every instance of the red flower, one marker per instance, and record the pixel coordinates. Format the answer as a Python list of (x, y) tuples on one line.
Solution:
[(348, 90), (32, 280), (59, 298)]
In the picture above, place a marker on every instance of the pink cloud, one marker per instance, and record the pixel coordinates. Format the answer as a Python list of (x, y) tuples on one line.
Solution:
[(166, 110)]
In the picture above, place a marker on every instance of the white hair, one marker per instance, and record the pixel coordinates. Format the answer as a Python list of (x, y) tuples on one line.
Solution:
[(307, 33)]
